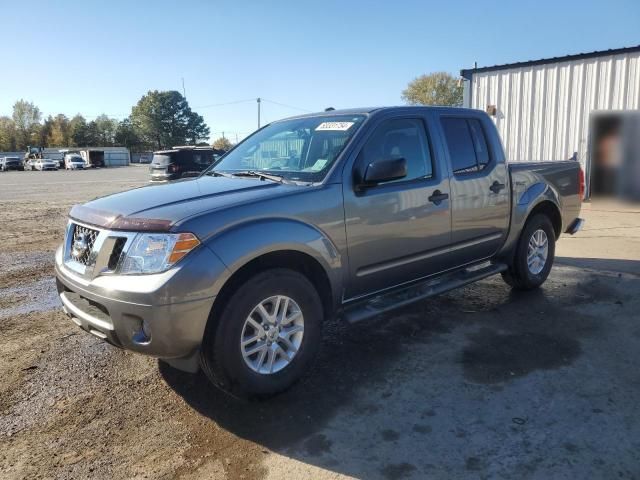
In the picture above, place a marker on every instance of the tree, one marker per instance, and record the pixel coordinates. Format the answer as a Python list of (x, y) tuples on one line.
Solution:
[(163, 119), (222, 143), (439, 88), (78, 131), (126, 135), (105, 130), (93, 134), (45, 132), (58, 131), (7, 135), (26, 117)]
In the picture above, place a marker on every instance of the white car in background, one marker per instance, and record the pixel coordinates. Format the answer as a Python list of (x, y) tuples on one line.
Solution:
[(74, 162), (43, 164)]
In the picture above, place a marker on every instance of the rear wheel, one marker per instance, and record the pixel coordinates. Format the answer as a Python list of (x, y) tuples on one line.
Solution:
[(534, 255), (266, 336)]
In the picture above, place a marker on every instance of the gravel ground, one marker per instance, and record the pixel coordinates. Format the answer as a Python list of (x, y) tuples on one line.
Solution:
[(478, 383)]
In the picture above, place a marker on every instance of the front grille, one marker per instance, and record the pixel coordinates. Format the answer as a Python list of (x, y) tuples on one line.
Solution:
[(82, 242), (114, 258)]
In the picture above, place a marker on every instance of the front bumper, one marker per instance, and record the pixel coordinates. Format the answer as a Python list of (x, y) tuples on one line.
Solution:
[(162, 177), (163, 315)]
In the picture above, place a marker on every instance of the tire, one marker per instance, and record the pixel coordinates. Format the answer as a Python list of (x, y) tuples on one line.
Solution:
[(221, 353), (520, 276)]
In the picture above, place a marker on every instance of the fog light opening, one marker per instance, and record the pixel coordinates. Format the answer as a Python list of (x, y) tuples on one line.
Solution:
[(143, 335)]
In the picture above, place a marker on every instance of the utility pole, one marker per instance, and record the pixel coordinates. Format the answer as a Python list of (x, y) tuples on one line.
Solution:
[(222, 134), (184, 92), (258, 100)]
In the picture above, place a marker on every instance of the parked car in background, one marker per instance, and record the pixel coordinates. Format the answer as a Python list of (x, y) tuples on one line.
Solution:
[(73, 161), (42, 164), (10, 163), (343, 213), (180, 162)]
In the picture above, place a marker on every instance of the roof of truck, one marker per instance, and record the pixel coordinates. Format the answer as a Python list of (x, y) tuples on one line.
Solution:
[(369, 110)]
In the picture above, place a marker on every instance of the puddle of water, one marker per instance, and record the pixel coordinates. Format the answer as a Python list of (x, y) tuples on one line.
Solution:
[(40, 297)]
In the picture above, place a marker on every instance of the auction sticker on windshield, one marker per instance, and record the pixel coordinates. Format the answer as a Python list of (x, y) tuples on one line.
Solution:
[(335, 126)]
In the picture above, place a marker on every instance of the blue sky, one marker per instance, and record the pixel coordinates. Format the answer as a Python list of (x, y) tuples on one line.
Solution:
[(101, 57)]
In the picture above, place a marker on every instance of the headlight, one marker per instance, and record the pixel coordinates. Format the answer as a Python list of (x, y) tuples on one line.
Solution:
[(156, 252)]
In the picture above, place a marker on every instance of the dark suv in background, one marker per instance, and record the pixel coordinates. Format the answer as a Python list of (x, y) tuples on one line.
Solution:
[(10, 163), (181, 162)]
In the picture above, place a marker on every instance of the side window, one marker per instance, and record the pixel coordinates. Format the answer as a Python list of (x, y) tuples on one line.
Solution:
[(460, 145), (402, 138), (467, 144), (479, 142)]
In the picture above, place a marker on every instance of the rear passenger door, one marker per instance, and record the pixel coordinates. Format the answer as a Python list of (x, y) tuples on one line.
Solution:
[(479, 187)]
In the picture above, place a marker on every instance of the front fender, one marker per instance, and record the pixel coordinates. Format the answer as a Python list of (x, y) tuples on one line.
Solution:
[(245, 242)]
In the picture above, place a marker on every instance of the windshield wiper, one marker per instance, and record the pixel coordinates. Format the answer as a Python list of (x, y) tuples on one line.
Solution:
[(216, 173), (260, 175)]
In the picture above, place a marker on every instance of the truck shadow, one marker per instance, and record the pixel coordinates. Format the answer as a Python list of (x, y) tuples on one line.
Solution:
[(348, 359), (381, 378)]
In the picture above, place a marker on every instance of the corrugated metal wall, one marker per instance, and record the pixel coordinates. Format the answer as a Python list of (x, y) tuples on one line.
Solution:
[(543, 110), (114, 158)]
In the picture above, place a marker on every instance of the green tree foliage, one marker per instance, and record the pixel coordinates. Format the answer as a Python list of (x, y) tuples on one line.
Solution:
[(79, 133), (439, 88), (127, 136), (26, 117), (159, 120), (58, 131), (105, 130), (7, 135), (164, 119), (222, 143)]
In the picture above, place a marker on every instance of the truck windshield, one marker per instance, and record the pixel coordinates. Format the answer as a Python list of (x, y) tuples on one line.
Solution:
[(301, 149)]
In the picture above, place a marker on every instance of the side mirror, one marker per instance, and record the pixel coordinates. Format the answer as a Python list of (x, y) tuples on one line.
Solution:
[(384, 171)]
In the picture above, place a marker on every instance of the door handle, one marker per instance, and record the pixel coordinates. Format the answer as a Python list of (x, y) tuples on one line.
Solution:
[(438, 197), (496, 187)]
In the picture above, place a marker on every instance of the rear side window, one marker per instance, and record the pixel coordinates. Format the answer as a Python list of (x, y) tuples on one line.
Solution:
[(400, 138), (467, 144)]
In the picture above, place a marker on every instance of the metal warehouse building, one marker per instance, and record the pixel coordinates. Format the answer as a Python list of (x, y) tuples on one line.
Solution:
[(545, 109), (112, 156)]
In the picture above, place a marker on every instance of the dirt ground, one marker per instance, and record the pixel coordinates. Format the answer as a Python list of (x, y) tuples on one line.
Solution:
[(481, 382)]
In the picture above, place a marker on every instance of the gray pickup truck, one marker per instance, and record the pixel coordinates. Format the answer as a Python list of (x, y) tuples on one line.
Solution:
[(342, 214)]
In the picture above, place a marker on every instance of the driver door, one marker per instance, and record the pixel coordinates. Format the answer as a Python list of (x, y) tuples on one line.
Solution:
[(397, 231)]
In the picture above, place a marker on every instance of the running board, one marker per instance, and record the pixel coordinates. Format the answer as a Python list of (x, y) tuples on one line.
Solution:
[(385, 302)]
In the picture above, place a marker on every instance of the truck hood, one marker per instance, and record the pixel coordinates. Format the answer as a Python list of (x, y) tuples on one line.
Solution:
[(161, 207)]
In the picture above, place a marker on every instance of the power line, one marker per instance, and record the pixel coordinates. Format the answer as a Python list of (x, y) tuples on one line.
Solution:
[(285, 105), (225, 103)]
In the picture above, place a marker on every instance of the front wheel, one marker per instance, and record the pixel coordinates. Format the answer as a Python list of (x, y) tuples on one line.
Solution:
[(534, 255), (266, 337)]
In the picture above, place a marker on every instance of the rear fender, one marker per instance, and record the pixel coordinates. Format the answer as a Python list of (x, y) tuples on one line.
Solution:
[(527, 201)]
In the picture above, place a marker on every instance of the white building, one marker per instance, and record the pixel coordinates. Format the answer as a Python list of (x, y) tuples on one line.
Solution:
[(546, 109), (111, 156)]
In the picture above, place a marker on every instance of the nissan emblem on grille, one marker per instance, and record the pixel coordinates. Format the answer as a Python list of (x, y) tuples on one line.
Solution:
[(82, 244)]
